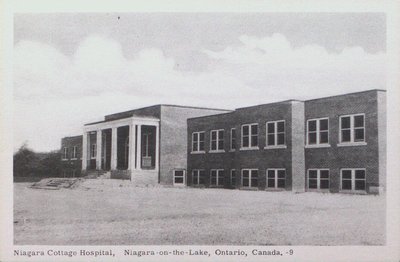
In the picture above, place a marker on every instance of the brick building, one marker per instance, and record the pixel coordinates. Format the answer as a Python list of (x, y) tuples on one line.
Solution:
[(332, 144)]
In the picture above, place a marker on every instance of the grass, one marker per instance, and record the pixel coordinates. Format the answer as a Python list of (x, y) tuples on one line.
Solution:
[(114, 212)]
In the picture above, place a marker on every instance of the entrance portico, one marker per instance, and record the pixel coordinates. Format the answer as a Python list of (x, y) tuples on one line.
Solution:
[(130, 145)]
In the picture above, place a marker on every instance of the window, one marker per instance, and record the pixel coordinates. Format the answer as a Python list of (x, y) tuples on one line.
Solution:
[(233, 177), (250, 136), (233, 139), (318, 131), (198, 177), (318, 179), (179, 177), (74, 152), (217, 140), (353, 179), (217, 177), (198, 142), (93, 151), (352, 128), (276, 133), (276, 178), (249, 178), (65, 153)]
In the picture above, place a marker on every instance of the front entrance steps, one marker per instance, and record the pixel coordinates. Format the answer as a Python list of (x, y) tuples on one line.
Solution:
[(94, 174), (55, 183)]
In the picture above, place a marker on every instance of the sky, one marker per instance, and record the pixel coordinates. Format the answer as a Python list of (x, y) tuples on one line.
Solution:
[(74, 68)]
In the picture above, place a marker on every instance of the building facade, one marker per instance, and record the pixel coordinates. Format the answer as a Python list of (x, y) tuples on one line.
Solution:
[(145, 145), (332, 144)]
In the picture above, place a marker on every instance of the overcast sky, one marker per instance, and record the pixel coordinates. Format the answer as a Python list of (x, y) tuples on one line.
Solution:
[(70, 69)]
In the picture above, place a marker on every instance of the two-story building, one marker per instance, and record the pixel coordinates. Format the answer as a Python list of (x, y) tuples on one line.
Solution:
[(332, 144)]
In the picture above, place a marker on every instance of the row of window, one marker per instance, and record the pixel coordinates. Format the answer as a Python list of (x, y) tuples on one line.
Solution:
[(352, 130), (71, 153), (351, 179)]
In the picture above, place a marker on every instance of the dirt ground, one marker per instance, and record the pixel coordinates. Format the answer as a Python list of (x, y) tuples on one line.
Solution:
[(114, 212)]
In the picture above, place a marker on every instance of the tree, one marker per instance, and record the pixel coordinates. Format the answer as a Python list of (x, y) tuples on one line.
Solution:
[(26, 162)]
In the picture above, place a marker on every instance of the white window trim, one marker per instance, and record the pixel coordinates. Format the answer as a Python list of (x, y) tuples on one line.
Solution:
[(353, 180), (74, 152), (198, 143), (241, 178), (275, 146), (230, 142), (65, 154), (231, 176), (276, 179), (198, 177), (184, 177), (218, 150), (351, 142), (317, 144), (318, 189), (241, 138), (217, 178)]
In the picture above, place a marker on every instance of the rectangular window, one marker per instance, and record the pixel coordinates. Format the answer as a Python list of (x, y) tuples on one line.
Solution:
[(318, 131), (250, 136), (93, 151), (233, 139), (179, 177), (318, 179), (276, 133), (198, 177), (250, 178), (353, 179), (352, 128), (276, 178), (217, 177), (74, 152), (65, 153), (217, 140), (198, 142), (233, 177)]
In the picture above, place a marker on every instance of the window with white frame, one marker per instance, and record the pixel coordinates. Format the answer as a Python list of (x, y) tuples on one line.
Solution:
[(93, 151), (217, 177), (198, 142), (217, 140), (198, 177), (276, 178), (249, 178), (65, 153), (74, 152), (318, 179), (233, 138), (353, 179), (276, 133), (233, 177), (318, 131), (352, 128), (250, 136), (179, 177)]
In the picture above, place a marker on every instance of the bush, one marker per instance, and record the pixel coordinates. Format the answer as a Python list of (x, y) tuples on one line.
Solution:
[(27, 163)]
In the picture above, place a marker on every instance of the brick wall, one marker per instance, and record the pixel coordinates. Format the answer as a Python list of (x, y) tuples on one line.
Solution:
[(69, 164)]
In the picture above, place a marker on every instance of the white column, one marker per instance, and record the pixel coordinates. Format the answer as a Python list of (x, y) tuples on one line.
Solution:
[(84, 150), (132, 135), (139, 147), (157, 146), (98, 149), (114, 148)]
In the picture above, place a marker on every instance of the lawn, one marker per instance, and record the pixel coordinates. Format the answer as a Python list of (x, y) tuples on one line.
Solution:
[(114, 212)]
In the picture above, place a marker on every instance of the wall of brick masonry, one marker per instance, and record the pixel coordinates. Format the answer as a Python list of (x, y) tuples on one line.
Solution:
[(70, 164), (334, 157)]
